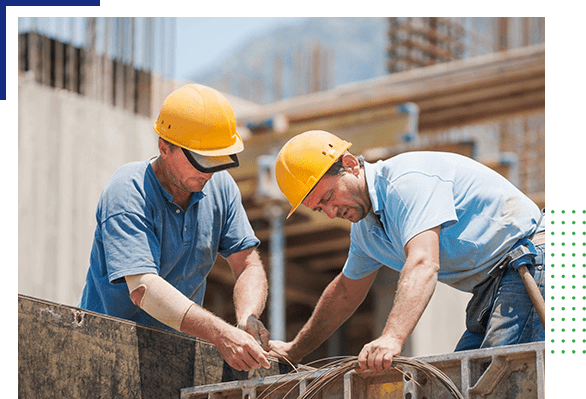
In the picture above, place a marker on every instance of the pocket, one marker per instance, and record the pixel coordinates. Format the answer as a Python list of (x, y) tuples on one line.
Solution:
[(479, 307)]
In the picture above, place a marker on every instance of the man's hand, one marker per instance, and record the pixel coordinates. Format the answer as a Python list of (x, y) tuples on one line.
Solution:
[(254, 327), (241, 350), (284, 350), (378, 354)]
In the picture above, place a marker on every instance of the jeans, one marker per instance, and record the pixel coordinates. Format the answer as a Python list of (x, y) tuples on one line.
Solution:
[(513, 318)]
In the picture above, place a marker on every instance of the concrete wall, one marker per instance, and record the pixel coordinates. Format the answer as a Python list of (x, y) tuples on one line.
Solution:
[(68, 147)]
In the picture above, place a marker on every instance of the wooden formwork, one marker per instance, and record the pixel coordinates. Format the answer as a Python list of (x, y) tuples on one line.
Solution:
[(67, 352)]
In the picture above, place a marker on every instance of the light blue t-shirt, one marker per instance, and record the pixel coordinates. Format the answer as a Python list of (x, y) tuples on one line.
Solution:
[(482, 215), (141, 230)]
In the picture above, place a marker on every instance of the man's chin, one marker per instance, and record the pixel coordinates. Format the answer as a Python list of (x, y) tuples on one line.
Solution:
[(355, 217)]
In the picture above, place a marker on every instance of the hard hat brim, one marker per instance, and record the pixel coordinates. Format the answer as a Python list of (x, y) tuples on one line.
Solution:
[(211, 164), (235, 148)]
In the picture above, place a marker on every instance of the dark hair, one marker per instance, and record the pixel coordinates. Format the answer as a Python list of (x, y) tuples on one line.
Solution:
[(171, 145), (338, 167)]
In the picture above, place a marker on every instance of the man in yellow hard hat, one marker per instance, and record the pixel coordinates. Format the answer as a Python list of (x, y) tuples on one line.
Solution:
[(432, 216), (162, 222)]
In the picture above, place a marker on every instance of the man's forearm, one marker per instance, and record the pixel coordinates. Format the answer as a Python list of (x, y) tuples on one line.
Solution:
[(203, 324), (334, 307), (415, 289), (250, 292), (237, 347)]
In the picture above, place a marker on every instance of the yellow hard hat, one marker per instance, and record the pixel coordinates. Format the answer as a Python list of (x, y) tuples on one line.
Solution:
[(304, 160), (200, 120)]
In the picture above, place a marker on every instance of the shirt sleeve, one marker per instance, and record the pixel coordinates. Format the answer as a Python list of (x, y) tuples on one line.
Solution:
[(417, 202), (237, 233), (359, 265), (130, 246)]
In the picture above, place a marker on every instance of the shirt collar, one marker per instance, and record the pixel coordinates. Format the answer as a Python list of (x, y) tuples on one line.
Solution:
[(195, 197), (370, 172)]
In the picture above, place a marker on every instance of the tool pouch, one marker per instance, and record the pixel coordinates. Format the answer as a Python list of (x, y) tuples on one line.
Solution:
[(483, 294), (479, 307)]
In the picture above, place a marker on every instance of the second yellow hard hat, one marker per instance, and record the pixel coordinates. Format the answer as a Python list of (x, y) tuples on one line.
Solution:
[(303, 161)]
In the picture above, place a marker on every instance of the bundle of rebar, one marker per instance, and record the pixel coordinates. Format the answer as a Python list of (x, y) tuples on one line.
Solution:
[(338, 366)]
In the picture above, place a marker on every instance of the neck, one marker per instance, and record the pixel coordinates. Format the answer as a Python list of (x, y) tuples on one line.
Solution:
[(180, 196), (366, 193)]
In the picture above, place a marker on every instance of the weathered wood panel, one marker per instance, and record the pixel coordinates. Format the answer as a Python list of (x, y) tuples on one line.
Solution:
[(66, 352)]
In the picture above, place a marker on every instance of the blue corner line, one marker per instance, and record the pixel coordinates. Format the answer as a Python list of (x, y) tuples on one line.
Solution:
[(29, 3)]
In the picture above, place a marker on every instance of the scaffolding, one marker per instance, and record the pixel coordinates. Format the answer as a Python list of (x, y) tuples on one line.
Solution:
[(118, 61), (422, 41)]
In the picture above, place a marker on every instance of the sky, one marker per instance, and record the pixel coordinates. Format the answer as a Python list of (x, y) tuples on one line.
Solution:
[(202, 42)]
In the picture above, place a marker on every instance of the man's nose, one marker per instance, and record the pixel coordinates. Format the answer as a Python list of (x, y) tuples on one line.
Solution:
[(331, 211)]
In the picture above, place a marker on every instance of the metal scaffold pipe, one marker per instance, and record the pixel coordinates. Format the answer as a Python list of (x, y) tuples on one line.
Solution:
[(268, 193), (277, 277)]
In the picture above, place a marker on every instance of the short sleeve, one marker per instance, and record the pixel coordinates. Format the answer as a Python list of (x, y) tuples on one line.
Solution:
[(237, 233), (359, 265), (130, 246)]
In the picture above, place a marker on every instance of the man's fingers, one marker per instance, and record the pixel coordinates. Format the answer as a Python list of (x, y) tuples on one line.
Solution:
[(387, 362), (254, 327), (378, 361), (264, 336), (362, 360), (372, 361), (257, 360), (251, 362)]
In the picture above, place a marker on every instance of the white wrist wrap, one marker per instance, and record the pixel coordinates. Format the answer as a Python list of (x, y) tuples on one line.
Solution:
[(160, 299)]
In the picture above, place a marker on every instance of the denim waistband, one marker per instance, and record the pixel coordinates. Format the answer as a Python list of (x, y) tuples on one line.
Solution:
[(524, 252)]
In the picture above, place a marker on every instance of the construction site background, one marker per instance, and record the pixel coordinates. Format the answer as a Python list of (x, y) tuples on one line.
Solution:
[(82, 115)]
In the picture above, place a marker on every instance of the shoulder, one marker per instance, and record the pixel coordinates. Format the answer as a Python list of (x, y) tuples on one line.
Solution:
[(419, 166), (128, 174), (127, 189)]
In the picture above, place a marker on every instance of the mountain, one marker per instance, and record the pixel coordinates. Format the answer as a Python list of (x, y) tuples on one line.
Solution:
[(283, 62)]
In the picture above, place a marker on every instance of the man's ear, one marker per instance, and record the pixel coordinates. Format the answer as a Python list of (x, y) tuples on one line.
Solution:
[(351, 164), (164, 147)]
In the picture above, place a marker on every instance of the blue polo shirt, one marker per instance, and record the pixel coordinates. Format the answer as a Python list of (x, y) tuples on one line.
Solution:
[(141, 230), (481, 214)]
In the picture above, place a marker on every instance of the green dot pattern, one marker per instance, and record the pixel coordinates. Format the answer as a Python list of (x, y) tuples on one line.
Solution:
[(565, 303)]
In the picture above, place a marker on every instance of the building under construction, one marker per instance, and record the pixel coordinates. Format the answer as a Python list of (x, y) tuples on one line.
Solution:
[(450, 87)]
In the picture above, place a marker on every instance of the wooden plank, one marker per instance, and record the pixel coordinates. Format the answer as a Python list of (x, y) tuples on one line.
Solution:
[(538, 198), (384, 126), (328, 264), (306, 281), (303, 228), (463, 147), (325, 245), (403, 86), (485, 93), (475, 112), (67, 352), (295, 291)]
